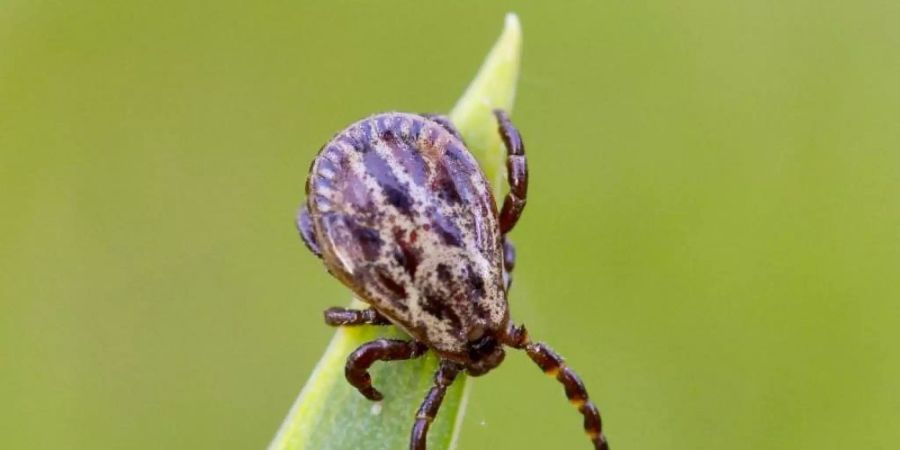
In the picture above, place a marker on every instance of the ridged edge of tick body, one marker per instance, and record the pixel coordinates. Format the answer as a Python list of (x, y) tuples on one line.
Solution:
[(399, 178)]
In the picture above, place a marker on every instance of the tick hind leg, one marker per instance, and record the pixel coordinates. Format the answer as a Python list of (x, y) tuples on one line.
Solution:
[(358, 363), (444, 377), (304, 226), (555, 366), (516, 172)]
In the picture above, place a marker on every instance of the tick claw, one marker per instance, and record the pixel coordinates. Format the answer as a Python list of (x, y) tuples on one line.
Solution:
[(373, 394)]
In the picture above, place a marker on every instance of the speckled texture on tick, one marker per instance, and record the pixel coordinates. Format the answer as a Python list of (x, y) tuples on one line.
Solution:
[(404, 217)]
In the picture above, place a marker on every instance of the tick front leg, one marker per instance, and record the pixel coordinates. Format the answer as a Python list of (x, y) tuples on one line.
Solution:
[(338, 317), (516, 172), (444, 377), (358, 363), (553, 365)]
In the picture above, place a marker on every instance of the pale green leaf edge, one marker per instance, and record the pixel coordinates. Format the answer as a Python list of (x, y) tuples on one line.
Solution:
[(328, 413), (493, 87)]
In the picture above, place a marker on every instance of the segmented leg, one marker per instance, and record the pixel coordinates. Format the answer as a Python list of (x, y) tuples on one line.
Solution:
[(444, 377), (552, 364), (338, 317), (358, 363), (445, 122), (509, 261), (516, 172), (304, 225)]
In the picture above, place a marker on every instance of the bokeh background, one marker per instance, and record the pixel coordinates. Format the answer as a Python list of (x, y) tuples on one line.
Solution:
[(712, 237)]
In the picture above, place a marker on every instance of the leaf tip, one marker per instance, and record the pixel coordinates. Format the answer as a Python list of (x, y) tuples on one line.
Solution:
[(512, 26)]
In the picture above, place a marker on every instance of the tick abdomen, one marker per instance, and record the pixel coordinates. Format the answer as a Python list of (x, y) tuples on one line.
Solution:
[(406, 219)]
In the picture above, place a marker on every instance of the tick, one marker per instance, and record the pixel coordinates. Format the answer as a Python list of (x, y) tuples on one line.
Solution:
[(400, 212)]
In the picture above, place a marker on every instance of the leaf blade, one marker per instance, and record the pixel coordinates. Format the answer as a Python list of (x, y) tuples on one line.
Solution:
[(493, 87)]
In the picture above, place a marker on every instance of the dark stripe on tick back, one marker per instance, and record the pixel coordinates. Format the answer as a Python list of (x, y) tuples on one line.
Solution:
[(403, 150), (439, 307), (367, 239), (413, 162), (410, 159), (476, 283), (406, 255), (460, 170), (397, 289), (397, 193), (380, 285), (445, 228), (444, 185)]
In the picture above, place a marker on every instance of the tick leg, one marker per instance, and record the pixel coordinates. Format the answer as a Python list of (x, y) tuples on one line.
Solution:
[(516, 172), (444, 377), (304, 225), (338, 317), (553, 365), (445, 122), (358, 363), (509, 261)]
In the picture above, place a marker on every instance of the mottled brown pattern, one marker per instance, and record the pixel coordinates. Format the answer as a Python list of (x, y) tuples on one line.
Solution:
[(406, 219)]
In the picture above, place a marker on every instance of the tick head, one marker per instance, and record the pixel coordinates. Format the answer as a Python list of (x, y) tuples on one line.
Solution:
[(485, 353)]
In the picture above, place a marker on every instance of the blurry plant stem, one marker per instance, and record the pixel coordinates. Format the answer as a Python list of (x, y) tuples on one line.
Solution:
[(329, 413)]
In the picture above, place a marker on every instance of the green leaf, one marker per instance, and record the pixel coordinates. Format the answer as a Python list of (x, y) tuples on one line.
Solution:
[(493, 87), (329, 414)]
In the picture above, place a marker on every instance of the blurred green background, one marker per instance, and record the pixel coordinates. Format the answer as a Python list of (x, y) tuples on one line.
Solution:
[(712, 237)]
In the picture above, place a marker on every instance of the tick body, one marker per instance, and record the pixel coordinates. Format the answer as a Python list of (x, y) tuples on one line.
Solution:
[(400, 212)]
